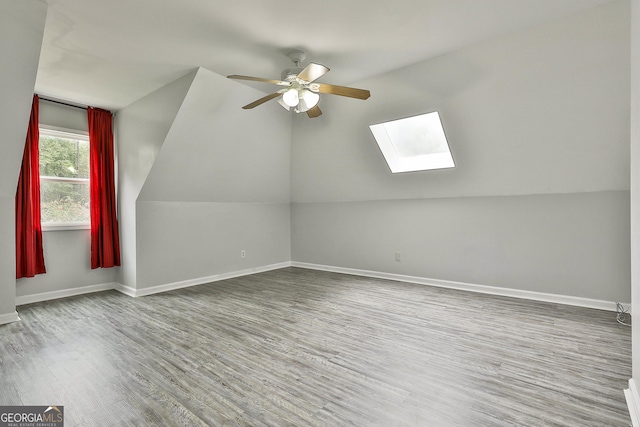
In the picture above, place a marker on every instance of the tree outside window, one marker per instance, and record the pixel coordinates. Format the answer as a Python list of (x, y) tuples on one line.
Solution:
[(64, 178)]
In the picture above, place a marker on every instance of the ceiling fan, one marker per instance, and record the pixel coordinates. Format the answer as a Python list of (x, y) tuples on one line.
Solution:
[(300, 91)]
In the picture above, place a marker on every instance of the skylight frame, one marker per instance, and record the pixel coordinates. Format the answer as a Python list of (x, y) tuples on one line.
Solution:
[(395, 151)]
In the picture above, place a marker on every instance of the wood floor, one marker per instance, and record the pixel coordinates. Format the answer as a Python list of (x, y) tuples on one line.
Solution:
[(297, 347)]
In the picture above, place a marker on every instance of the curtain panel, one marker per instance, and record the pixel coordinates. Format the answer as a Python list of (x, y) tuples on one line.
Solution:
[(105, 241), (29, 252)]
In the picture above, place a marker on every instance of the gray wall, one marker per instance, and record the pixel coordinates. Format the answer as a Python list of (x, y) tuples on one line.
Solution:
[(567, 244), (141, 129), (538, 124), (67, 253), (218, 182), (182, 241), (23, 21)]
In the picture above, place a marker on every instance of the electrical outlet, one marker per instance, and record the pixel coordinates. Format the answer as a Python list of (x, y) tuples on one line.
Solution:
[(243, 254), (398, 257)]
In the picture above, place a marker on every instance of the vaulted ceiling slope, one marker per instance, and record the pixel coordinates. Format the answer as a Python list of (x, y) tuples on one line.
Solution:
[(110, 54), (22, 21), (209, 154)]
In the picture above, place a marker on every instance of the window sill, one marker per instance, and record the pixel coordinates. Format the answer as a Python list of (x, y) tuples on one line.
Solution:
[(66, 226)]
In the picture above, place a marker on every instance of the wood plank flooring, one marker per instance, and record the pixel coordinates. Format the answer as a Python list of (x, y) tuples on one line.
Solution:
[(297, 347)]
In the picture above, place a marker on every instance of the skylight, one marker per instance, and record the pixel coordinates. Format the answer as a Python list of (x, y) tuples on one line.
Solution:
[(414, 144)]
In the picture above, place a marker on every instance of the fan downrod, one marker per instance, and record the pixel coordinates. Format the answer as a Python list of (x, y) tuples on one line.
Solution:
[(296, 56)]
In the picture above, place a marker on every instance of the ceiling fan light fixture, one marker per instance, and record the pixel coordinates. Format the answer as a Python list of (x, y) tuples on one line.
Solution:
[(301, 92), (291, 97), (284, 104), (302, 107), (310, 98)]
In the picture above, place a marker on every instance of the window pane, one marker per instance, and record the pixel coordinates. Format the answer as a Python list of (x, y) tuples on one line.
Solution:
[(64, 201), (414, 143), (416, 136), (64, 157), (64, 177)]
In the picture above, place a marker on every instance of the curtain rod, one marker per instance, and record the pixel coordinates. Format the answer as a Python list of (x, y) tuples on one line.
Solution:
[(61, 103)]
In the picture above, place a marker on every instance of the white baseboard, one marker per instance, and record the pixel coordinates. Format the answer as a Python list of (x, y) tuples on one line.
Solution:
[(9, 318), (46, 296), (127, 290), (493, 290), (633, 403), (199, 281)]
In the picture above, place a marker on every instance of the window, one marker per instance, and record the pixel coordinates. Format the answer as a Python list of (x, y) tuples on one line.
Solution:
[(64, 179), (414, 144)]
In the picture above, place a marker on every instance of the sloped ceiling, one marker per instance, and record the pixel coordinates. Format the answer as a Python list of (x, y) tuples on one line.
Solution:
[(22, 21), (111, 53), (542, 111), (209, 154)]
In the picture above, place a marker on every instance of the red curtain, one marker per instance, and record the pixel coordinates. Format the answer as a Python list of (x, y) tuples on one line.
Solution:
[(29, 253), (105, 242)]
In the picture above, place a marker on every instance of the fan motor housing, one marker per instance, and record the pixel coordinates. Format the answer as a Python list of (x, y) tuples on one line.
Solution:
[(289, 74)]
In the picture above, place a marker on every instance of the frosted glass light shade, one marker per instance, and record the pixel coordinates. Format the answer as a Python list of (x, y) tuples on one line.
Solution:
[(310, 98), (290, 97), (284, 104)]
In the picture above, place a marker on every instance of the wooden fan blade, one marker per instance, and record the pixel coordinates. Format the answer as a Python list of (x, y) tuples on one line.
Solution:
[(314, 112), (258, 79), (312, 72), (344, 91), (261, 100)]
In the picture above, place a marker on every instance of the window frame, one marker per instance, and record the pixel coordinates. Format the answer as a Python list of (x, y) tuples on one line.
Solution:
[(69, 134)]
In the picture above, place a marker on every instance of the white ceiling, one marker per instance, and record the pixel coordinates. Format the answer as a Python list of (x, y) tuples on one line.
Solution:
[(111, 53)]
